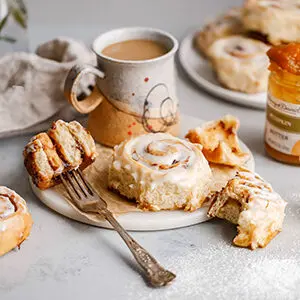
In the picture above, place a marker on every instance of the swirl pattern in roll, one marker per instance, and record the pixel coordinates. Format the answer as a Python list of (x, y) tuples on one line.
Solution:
[(15, 220), (161, 172), (241, 63), (278, 20), (224, 25)]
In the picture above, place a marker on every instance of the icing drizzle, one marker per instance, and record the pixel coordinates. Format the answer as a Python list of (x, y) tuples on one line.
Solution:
[(7, 208), (160, 157)]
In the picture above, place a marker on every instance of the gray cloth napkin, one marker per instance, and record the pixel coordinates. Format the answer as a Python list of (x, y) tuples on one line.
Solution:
[(31, 85)]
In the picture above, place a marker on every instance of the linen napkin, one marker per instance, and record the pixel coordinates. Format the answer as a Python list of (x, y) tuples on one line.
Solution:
[(31, 85)]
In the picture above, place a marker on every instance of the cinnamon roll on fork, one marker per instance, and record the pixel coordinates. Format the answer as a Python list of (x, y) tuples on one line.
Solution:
[(42, 161), (65, 147)]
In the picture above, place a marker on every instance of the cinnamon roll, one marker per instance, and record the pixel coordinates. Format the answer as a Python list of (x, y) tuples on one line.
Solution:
[(278, 20), (251, 203), (160, 172), (240, 63), (66, 146), (225, 25), (42, 161), (15, 220), (220, 141)]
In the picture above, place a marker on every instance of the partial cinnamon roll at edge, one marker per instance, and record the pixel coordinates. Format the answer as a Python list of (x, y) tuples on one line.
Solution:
[(277, 20), (15, 220)]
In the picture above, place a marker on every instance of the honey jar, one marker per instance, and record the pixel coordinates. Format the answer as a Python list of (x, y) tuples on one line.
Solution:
[(282, 131)]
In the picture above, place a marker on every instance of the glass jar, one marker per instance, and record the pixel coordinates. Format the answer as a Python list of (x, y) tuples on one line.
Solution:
[(282, 131), (13, 26)]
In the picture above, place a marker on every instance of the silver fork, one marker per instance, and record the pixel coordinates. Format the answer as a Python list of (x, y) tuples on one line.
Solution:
[(87, 200)]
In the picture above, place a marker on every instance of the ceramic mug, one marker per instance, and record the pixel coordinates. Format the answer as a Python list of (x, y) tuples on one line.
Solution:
[(131, 97)]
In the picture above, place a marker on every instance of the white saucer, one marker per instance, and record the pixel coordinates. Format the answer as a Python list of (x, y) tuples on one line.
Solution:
[(200, 71), (137, 221)]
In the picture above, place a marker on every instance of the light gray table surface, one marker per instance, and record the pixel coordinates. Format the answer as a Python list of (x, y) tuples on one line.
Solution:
[(64, 259)]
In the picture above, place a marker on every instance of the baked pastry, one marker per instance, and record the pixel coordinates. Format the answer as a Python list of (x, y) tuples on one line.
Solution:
[(160, 172), (240, 63), (220, 141), (278, 20), (225, 25), (42, 161), (73, 143), (67, 146), (15, 220), (251, 203)]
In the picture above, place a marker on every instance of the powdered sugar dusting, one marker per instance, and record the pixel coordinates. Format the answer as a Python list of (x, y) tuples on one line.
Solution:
[(208, 266), (218, 270), (222, 271)]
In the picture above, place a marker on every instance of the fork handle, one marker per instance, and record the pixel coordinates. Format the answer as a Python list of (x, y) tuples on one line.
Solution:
[(156, 274)]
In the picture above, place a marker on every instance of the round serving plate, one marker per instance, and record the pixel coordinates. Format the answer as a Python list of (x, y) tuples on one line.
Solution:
[(200, 71), (137, 221)]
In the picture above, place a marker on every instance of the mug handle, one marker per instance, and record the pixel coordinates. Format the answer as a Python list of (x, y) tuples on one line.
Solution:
[(71, 84)]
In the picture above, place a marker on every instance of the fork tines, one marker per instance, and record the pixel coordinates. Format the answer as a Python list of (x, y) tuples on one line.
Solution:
[(80, 191)]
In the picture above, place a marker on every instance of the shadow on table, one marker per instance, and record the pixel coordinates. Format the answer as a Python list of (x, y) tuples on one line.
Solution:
[(223, 230), (119, 253)]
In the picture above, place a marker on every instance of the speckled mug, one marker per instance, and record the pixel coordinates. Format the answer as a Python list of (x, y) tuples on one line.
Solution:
[(130, 97)]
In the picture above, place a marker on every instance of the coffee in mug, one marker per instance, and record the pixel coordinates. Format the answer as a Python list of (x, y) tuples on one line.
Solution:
[(135, 91), (135, 50)]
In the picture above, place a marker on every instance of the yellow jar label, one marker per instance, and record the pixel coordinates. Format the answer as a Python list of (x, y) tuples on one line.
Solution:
[(283, 126)]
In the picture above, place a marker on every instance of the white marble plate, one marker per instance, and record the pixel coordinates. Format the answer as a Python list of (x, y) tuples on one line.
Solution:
[(137, 221), (200, 71)]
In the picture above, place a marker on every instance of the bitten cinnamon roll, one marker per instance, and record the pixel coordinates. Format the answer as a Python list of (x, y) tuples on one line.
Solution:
[(15, 220), (225, 25), (251, 203), (278, 20), (241, 63), (65, 147), (161, 171)]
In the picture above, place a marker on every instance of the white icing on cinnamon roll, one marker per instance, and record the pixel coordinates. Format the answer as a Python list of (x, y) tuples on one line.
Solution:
[(250, 202), (241, 63), (163, 172), (6, 206), (15, 220)]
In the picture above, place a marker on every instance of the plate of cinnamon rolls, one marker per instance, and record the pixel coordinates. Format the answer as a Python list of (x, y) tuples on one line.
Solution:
[(153, 181), (158, 181), (227, 57)]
